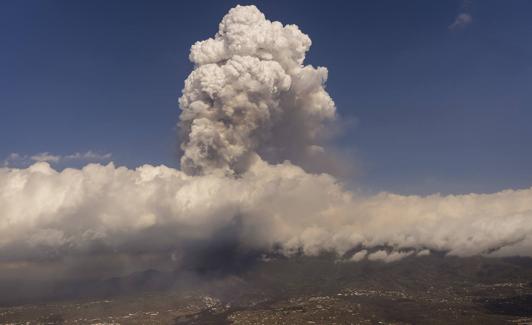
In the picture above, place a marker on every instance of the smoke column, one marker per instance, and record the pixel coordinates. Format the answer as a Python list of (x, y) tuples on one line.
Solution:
[(249, 84)]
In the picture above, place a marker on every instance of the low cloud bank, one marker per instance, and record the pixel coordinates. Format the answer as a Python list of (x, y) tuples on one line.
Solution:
[(49, 214)]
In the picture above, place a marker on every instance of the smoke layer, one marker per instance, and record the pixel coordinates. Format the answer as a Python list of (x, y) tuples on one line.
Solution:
[(249, 96)]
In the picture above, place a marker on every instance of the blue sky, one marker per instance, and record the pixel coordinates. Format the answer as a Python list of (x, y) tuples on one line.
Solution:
[(436, 109)]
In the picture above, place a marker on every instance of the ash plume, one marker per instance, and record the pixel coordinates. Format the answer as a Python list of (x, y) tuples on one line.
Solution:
[(249, 86)]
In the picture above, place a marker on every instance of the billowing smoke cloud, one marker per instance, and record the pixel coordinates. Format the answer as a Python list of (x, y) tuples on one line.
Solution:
[(248, 95)]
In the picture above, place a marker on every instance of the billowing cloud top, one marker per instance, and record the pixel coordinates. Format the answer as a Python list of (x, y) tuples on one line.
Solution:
[(248, 87)]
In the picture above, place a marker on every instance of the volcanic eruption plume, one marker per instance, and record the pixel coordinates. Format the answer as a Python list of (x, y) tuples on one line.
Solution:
[(250, 92), (251, 112)]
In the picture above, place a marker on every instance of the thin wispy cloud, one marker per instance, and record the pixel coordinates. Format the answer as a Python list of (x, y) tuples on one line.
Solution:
[(461, 21), (464, 18), (45, 156), (88, 156), (20, 160), (14, 159)]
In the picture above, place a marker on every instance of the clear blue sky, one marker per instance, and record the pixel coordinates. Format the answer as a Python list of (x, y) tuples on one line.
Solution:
[(436, 109)]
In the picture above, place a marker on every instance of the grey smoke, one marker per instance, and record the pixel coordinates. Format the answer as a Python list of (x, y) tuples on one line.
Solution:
[(250, 91)]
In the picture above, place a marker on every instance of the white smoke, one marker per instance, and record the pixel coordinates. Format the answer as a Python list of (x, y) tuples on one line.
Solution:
[(359, 256), (249, 87), (250, 92), (388, 257)]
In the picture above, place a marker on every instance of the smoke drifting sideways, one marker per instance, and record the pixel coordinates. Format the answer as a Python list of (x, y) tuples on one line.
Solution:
[(249, 96)]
